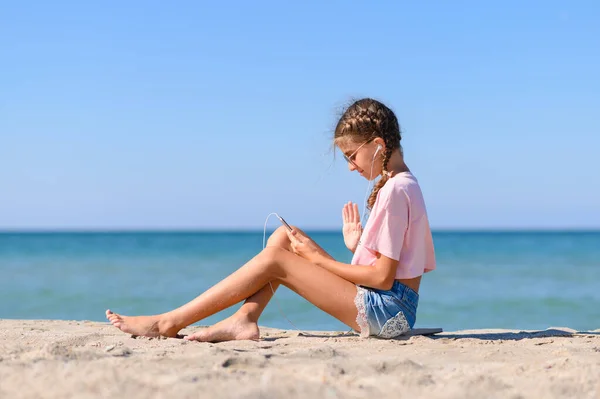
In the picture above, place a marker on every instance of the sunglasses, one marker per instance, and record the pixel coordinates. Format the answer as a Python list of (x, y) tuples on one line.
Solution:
[(350, 158)]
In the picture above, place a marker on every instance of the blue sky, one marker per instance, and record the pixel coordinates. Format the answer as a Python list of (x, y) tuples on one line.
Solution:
[(200, 115)]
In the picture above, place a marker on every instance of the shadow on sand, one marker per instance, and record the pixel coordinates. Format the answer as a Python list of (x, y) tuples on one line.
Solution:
[(516, 336)]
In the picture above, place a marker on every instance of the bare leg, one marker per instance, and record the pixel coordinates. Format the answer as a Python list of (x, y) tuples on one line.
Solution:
[(256, 304), (244, 323), (327, 291), (241, 325)]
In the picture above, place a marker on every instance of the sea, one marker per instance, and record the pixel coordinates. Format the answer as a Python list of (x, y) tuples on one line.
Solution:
[(526, 280)]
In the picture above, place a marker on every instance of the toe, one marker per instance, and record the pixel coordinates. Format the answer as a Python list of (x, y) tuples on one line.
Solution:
[(193, 337)]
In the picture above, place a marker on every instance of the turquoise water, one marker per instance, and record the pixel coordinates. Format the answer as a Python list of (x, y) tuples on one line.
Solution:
[(521, 280)]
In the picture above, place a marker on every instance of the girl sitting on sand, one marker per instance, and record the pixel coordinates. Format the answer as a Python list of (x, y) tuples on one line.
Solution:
[(377, 294)]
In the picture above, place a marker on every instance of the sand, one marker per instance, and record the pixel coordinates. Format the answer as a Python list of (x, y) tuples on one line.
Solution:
[(79, 359)]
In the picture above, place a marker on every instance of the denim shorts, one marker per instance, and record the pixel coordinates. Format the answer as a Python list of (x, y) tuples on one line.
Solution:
[(386, 314)]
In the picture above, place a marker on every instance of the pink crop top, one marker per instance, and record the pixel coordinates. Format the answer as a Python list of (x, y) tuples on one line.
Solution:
[(399, 229)]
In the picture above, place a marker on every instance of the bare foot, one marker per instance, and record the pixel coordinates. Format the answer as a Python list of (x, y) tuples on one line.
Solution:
[(147, 326), (233, 328)]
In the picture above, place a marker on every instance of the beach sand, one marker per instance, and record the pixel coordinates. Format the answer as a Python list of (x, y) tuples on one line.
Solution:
[(79, 359)]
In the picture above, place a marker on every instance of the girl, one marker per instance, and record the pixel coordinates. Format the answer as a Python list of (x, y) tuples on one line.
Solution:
[(377, 294)]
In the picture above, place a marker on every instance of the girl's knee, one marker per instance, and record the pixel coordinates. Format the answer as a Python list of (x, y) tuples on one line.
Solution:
[(279, 238), (271, 259)]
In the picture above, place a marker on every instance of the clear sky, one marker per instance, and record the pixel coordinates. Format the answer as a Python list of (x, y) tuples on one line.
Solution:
[(200, 115)]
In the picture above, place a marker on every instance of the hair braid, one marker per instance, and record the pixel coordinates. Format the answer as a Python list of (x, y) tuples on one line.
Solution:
[(384, 178)]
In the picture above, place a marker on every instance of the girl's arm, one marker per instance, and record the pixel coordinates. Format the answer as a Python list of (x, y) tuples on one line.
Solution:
[(381, 276)]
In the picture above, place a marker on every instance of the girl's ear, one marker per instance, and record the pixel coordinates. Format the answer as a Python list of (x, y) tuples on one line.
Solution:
[(381, 142)]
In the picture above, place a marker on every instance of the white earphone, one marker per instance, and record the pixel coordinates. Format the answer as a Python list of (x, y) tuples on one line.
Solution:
[(379, 147)]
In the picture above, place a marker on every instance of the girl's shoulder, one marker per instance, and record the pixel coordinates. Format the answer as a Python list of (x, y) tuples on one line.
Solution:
[(403, 183), (401, 192)]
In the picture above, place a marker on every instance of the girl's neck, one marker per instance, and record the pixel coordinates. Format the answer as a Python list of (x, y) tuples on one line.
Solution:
[(396, 164)]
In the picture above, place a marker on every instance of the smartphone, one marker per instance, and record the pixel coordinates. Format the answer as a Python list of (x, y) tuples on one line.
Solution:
[(285, 223)]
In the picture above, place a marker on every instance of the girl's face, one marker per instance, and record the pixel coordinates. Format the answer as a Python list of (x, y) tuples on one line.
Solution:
[(359, 156)]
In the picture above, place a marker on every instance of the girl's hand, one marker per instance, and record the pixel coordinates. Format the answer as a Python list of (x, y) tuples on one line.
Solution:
[(352, 229), (303, 245)]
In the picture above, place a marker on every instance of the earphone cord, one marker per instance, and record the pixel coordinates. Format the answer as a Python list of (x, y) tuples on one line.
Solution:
[(361, 221)]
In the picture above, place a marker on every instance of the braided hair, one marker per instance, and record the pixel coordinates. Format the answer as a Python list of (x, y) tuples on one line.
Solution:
[(367, 119)]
